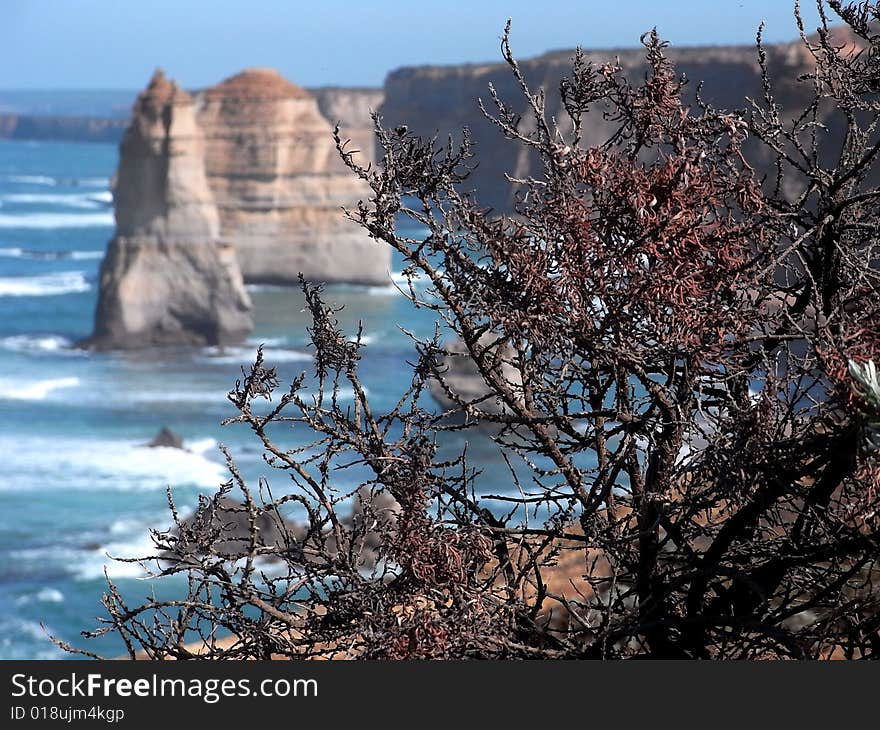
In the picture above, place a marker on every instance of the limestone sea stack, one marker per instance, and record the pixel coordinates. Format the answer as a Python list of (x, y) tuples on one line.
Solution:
[(238, 183), (280, 185), (167, 278)]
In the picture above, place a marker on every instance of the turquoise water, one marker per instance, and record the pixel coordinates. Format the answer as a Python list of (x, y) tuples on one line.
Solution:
[(76, 483)]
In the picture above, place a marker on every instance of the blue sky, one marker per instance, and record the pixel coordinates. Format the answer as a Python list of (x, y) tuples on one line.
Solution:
[(115, 44)]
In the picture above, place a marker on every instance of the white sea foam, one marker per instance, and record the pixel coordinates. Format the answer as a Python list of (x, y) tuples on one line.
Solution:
[(94, 182), (126, 526), (103, 464), (89, 201), (90, 565), (19, 639), (245, 355), (343, 394), (50, 595), (201, 446), (21, 253), (36, 343), (58, 220), (49, 181), (400, 284), (93, 564), (86, 255), (398, 277), (365, 339), (348, 393), (137, 544), (266, 341), (44, 595), (129, 538), (31, 179), (63, 282), (384, 291), (14, 389)]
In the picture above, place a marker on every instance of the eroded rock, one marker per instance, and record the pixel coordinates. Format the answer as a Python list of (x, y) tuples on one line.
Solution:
[(167, 279)]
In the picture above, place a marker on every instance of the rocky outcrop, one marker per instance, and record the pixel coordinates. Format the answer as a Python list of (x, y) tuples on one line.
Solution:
[(279, 184), (230, 522), (443, 99), (167, 278), (166, 439), (225, 525), (462, 380)]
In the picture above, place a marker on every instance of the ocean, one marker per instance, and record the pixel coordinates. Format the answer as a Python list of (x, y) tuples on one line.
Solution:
[(77, 483)]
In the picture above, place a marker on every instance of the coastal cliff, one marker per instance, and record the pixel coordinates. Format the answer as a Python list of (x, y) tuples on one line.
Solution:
[(68, 129), (279, 184), (166, 278), (432, 99)]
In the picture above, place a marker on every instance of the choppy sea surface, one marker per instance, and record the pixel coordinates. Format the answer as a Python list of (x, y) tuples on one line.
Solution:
[(76, 483)]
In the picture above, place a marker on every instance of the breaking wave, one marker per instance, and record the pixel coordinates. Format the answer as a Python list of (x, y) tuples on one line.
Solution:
[(64, 282), (31, 179), (24, 253), (49, 181), (58, 220), (44, 595), (19, 639), (39, 344), (88, 201), (245, 355), (13, 389), (104, 464)]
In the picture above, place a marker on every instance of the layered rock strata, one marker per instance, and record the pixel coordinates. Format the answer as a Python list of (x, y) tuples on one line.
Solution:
[(279, 184)]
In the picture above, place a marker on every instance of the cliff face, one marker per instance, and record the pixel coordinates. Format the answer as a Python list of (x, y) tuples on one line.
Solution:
[(444, 99), (166, 278), (352, 107), (70, 129), (279, 184)]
